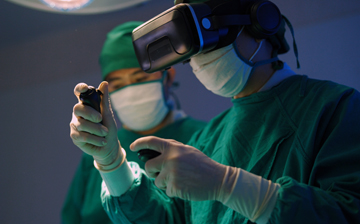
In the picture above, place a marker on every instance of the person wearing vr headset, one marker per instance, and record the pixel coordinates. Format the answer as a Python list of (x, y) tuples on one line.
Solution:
[(286, 152), (142, 103)]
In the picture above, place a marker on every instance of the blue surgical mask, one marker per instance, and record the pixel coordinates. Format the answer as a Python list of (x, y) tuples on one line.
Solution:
[(140, 106)]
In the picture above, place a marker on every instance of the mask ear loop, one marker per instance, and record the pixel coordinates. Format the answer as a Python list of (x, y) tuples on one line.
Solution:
[(242, 28), (258, 48)]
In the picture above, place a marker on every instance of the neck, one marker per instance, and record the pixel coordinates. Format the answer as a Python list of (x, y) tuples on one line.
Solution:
[(260, 76), (166, 121)]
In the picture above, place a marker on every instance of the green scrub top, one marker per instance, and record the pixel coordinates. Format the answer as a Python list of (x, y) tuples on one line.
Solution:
[(83, 202), (303, 134)]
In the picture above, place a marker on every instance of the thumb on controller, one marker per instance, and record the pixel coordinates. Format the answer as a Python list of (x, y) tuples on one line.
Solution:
[(105, 105)]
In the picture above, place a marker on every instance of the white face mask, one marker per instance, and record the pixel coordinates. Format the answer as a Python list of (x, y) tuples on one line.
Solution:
[(140, 106), (221, 71), (224, 71)]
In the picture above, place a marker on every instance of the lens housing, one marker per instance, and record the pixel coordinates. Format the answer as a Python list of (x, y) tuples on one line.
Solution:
[(172, 37)]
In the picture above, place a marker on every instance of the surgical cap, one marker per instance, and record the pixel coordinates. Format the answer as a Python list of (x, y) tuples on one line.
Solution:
[(118, 51)]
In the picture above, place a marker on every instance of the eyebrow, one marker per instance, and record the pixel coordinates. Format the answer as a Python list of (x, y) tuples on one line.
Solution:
[(119, 78), (136, 72), (112, 79)]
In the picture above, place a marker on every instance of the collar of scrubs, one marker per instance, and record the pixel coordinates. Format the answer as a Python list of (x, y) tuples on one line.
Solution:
[(277, 77)]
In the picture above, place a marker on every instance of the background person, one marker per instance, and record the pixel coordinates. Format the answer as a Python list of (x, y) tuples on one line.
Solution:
[(142, 104)]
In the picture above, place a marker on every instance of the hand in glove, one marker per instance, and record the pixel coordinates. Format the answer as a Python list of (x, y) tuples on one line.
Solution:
[(185, 172), (92, 137)]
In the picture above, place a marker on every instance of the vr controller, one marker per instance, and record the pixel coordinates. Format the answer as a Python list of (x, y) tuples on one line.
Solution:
[(92, 98), (189, 29)]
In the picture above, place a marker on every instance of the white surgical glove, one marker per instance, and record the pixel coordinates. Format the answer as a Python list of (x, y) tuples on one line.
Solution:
[(182, 170), (185, 172), (99, 140)]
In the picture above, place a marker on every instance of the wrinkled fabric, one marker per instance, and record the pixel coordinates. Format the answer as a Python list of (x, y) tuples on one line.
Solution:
[(83, 203), (302, 134)]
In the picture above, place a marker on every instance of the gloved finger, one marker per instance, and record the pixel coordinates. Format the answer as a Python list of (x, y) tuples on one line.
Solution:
[(87, 112), (153, 167), (150, 142), (161, 180), (164, 181), (106, 110), (171, 190), (90, 127), (80, 88), (81, 138), (88, 148)]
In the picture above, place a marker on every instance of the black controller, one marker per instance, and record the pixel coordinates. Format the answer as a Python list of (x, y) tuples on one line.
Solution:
[(146, 154), (92, 98)]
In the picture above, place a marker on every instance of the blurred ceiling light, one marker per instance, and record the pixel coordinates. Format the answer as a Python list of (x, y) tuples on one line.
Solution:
[(66, 5), (78, 6)]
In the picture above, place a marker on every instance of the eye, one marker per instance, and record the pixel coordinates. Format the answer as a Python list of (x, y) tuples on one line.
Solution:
[(114, 85), (142, 79), (117, 86)]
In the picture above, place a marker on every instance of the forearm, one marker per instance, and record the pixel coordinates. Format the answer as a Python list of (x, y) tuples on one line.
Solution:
[(250, 195), (117, 175), (128, 195), (142, 203)]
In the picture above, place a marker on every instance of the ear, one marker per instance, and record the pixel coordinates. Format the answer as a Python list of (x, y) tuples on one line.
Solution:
[(170, 76)]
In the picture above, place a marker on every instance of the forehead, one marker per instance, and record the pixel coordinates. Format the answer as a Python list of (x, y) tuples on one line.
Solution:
[(132, 73), (125, 72)]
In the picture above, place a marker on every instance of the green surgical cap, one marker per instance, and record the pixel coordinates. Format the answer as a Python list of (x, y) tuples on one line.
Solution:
[(118, 51)]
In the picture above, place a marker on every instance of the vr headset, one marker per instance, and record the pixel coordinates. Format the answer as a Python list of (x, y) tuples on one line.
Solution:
[(189, 29)]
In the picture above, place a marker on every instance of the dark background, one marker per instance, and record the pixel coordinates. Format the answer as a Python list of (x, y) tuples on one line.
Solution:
[(44, 55)]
